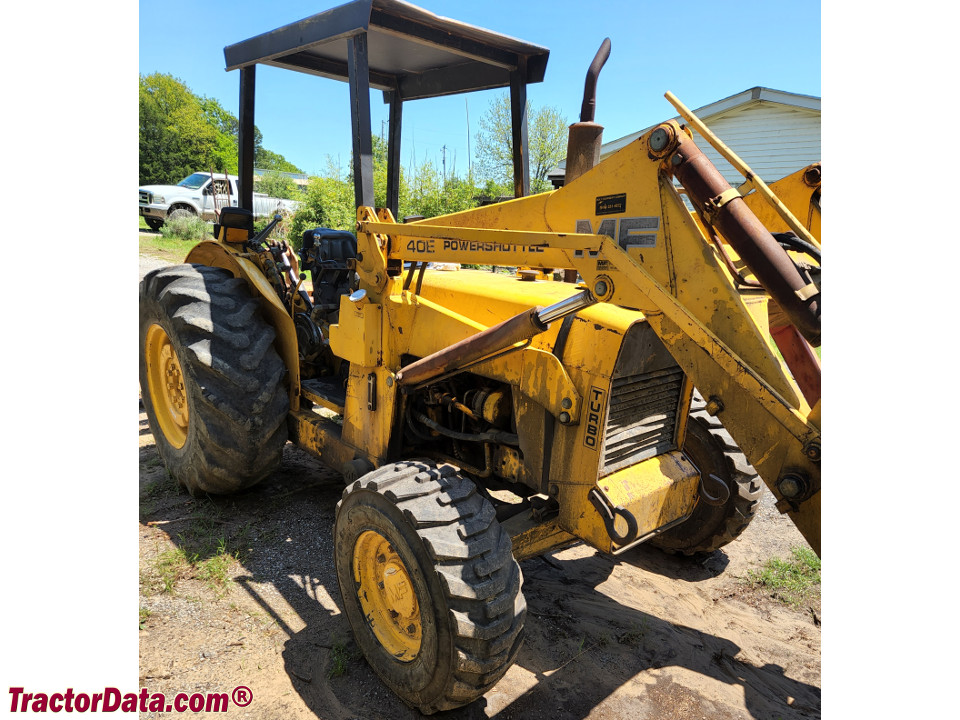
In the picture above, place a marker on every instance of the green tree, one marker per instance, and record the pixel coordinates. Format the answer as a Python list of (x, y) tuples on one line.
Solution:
[(276, 185), (428, 194), (181, 133), (547, 140), (227, 126), (176, 137), (264, 159), (328, 202)]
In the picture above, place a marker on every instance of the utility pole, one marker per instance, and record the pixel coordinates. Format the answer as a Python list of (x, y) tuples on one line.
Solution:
[(444, 151)]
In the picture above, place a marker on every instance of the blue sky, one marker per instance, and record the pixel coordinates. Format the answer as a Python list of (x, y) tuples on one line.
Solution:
[(699, 53)]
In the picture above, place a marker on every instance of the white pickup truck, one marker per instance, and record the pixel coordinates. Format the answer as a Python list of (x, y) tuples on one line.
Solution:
[(202, 194)]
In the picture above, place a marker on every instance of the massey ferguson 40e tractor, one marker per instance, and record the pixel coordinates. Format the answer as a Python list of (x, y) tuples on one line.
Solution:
[(479, 418)]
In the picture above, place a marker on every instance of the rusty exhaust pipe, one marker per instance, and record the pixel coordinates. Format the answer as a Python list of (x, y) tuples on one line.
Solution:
[(517, 329), (729, 214), (585, 137), (589, 106)]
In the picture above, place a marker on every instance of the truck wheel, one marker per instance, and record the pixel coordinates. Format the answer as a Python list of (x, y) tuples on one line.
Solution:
[(713, 451), (181, 211), (211, 380), (153, 223), (429, 583)]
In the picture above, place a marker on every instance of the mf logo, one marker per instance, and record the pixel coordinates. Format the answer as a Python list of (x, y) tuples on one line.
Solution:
[(627, 231), (399, 591), (596, 402)]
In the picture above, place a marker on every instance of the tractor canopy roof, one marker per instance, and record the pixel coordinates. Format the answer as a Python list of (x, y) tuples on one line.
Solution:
[(410, 51)]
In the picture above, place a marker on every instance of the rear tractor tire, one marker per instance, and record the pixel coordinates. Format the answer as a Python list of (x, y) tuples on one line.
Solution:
[(711, 448), (429, 583), (210, 378)]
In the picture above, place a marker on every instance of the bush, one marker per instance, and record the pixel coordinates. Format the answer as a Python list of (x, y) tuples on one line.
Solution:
[(183, 225), (328, 203), (281, 231), (276, 185)]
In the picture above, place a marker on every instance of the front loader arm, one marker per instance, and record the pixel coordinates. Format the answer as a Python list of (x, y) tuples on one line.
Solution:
[(625, 229)]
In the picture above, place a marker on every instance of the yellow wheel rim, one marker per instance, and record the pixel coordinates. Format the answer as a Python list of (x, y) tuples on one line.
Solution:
[(167, 392), (387, 596)]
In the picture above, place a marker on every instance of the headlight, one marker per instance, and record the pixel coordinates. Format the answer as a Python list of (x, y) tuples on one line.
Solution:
[(159, 199)]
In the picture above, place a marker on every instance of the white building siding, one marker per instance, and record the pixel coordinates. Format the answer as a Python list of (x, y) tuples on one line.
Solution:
[(774, 140), (776, 133)]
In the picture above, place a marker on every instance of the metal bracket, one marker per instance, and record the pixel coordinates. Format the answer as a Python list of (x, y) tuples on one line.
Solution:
[(807, 292), (714, 204), (372, 392), (609, 515), (720, 494)]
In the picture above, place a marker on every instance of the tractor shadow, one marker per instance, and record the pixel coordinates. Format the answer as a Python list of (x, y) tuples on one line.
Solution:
[(581, 645)]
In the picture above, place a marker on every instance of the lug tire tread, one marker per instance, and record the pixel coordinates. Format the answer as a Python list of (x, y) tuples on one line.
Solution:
[(235, 378), (473, 559), (744, 485)]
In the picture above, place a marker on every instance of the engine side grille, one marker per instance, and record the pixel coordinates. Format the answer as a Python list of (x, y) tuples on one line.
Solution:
[(642, 417)]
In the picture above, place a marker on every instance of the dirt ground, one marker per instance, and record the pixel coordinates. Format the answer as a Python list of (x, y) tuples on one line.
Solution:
[(650, 636)]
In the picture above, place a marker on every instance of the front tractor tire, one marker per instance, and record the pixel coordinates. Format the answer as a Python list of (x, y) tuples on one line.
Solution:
[(711, 448), (429, 583), (210, 379)]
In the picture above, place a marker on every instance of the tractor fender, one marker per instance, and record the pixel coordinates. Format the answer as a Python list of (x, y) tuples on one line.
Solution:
[(217, 255)]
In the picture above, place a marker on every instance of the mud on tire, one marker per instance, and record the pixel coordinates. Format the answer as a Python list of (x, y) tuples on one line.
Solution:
[(712, 450), (459, 562), (232, 431)]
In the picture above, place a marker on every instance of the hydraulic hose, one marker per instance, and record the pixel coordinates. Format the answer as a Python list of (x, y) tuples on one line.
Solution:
[(792, 242), (496, 436)]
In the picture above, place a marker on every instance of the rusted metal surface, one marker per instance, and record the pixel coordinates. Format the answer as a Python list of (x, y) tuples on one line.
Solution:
[(583, 149), (710, 192), (517, 329), (530, 539), (588, 108), (812, 175), (586, 136), (800, 358), (502, 337)]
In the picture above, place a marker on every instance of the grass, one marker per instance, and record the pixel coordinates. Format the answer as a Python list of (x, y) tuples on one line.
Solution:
[(790, 581), (208, 544), (634, 634), (144, 614), (338, 659), (215, 571), (171, 566), (171, 248), (176, 564), (206, 550), (155, 488)]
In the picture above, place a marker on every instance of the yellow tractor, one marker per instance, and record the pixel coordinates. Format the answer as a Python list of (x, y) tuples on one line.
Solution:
[(479, 418)]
